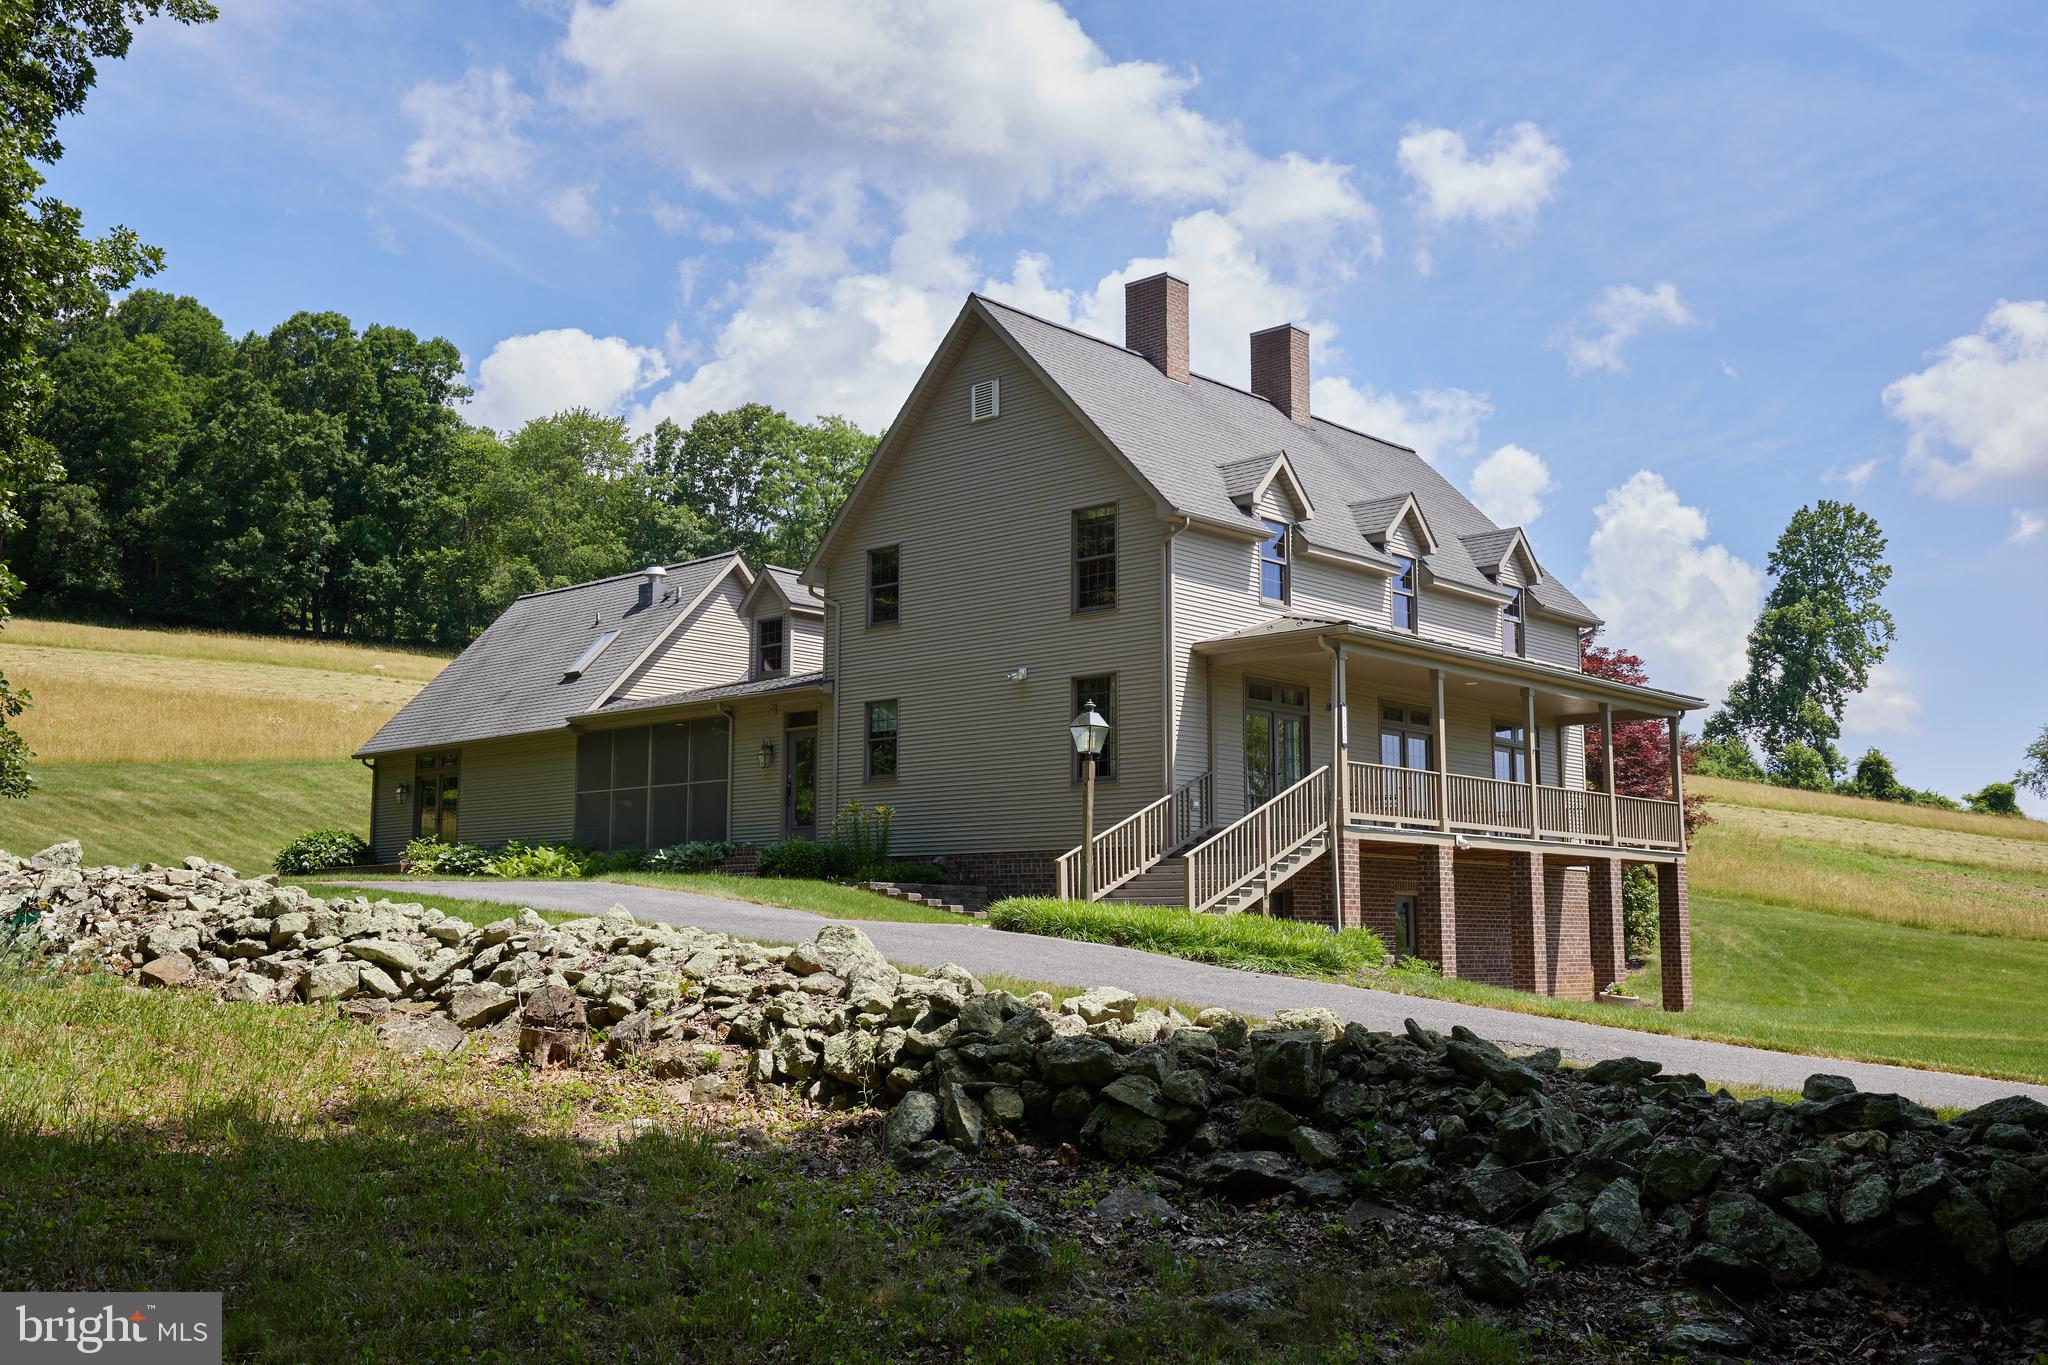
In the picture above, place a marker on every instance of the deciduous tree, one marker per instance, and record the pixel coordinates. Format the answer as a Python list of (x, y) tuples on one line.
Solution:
[(1642, 748)]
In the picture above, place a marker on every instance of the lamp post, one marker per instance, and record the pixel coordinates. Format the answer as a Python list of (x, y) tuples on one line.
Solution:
[(1090, 732)]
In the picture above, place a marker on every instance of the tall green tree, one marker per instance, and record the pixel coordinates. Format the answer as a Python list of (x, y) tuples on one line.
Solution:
[(762, 484), (1822, 629), (2033, 773), (50, 270)]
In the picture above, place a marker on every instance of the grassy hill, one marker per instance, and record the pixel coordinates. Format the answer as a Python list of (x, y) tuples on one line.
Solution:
[(151, 744)]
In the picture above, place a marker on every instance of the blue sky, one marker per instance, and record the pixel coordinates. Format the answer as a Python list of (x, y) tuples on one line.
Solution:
[(1643, 278)]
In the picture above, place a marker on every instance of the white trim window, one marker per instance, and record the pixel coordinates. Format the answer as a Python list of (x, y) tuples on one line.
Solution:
[(1514, 637), (1405, 600), (1275, 574), (881, 741), (771, 646)]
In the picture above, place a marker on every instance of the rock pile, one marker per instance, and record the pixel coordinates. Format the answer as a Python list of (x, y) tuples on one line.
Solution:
[(1616, 1163)]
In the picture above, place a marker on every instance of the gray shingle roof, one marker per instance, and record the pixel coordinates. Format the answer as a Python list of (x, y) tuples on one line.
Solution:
[(799, 594), (510, 679), (1178, 435), (1489, 548), (1241, 478)]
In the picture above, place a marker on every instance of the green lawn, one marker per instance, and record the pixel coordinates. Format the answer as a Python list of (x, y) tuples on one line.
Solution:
[(236, 813), (795, 893), (1833, 985), (474, 911), (349, 1204)]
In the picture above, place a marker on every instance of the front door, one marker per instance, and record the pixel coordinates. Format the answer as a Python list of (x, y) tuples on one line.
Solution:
[(1275, 739), (800, 779), (436, 795)]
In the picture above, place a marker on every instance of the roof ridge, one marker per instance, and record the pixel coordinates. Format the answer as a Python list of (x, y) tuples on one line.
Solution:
[(1192, 374), (630, 573)]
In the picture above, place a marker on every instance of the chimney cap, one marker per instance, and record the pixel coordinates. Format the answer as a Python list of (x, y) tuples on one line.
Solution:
[(1156, 275), (655, 571), (1282, 327)]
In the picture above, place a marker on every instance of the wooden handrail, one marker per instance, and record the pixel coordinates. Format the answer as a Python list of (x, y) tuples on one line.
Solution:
[(1488, 805), (1255, 844), (1650, 823), (1383, 794), (1140, 839)]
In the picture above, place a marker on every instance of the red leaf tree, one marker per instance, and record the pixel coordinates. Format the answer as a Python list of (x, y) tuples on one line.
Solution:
[(1642, 755)]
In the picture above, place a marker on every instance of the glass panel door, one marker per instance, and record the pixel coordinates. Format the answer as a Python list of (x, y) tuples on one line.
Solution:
[(1258, 758), (1275, 752), (800, 783)]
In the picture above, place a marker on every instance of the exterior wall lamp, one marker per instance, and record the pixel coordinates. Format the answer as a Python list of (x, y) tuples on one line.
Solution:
[(767, 753)]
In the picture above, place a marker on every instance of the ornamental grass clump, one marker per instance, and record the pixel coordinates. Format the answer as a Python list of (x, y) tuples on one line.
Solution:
[(1250, 941)]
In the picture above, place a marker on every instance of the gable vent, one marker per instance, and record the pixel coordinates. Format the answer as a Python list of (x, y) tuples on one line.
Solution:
[(984, 400)]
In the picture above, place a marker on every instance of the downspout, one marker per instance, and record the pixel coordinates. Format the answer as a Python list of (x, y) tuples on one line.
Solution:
[(1166, 688), (732, 767), (838, 629)]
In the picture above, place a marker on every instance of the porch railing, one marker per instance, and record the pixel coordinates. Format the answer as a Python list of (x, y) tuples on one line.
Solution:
[(1141, 839), (1572, 813), (1243, 852), (1656, 824), (1386, 795), (1489, 805)]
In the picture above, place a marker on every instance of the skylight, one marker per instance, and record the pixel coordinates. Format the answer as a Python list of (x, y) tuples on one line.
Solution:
[(589, 656)]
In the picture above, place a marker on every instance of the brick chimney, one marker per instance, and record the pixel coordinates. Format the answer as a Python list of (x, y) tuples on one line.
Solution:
[(1280, 369), (1156, 322)]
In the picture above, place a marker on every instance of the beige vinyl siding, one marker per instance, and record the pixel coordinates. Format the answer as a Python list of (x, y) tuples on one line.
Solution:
[(522, 788), (1553, 642), (983, 516), (757, 791), (1459, 620), (1215, 592), (390, 816), (806, 643), (713, 645), (1322, 588)]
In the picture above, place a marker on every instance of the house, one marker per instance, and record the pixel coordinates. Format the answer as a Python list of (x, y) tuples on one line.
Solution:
[(1338, 691)]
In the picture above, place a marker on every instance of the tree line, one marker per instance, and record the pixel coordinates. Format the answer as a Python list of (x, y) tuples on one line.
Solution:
[(320, 478)]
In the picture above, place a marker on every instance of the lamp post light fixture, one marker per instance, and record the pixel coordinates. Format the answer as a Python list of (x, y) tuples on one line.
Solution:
[(1091, 733), (767, 753)]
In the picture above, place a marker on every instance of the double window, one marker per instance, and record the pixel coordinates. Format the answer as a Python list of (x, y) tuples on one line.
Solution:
[(883, 602), (1405, 736), (1273, 570), (650, 786), (1101, 690), (881, 740), (1407, 615), (1512, 639), (1095, 558), (769, 646), (1510, 757)]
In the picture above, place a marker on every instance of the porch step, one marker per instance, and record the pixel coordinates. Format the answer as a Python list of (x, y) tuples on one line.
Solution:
[(957, 899), (1166, 883)]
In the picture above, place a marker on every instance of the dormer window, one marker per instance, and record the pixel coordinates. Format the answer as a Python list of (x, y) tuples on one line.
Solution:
[(768, 646), (1274, 584), (589, 656), (1407, 610), (1512, 638)]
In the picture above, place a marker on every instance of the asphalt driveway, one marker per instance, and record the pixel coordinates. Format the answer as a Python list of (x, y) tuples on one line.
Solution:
[(981, 950)]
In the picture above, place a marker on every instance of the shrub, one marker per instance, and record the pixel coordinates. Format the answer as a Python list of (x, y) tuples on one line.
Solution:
[(321, 851), (860, 838), (1638, 912), (1727, 757), (1252, 941), (439, 856), (1996, 798), (699, 855), (1800, 766), (793, 858), (621, 860), (552, 862)]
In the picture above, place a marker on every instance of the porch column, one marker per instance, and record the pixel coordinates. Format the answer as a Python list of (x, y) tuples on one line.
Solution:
[(1436, 907), (1674, 935), (1607, 771), (1340, 783), (1528, 924), (1678, 779), (1529, 753), (1604, 922), (1439, 752)]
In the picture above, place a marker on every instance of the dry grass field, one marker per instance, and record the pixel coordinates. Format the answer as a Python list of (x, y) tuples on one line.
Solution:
[(109, 695), (1892, 813)]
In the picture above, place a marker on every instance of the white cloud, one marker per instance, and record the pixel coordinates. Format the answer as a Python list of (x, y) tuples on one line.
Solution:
[(1503, 189), (572, 210), (1596, 338), (2027, 524), (469, 133), (1509, 485), (1888, 705), (1985, 398), (1437, 424), (546, 372), (1855, 476), (1683, 604)]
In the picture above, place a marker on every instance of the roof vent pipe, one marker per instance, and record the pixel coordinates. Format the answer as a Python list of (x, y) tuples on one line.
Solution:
[(651, 579)]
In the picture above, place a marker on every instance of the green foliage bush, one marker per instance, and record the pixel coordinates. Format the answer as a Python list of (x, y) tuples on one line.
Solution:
[(1638, 913), (923, 874), (441, 857), (322, 851), (1250, 941), (699, 855), (557, 862), (804, 858), (1801, 766), (1728, 757), (1995, 798), (860, 840)]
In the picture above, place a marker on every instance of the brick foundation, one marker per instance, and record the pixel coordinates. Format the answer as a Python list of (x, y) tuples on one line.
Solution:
[(1024, 873), (1607, 944), (1569, 953), (1438, 912), (1674, 935)]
